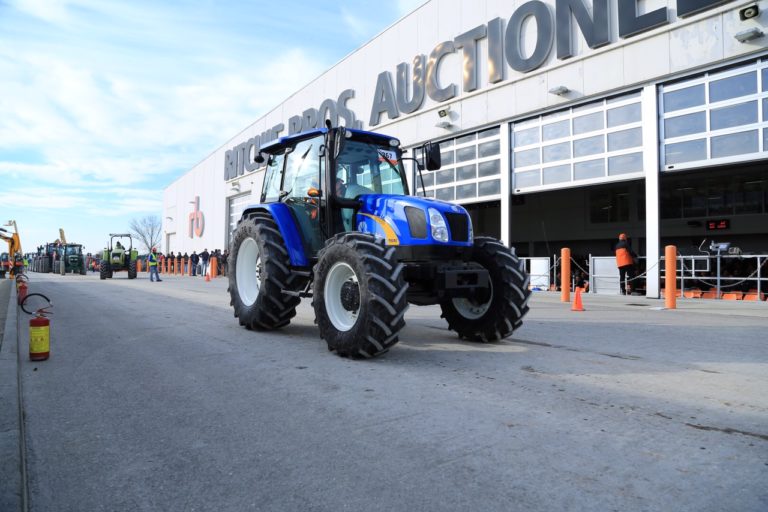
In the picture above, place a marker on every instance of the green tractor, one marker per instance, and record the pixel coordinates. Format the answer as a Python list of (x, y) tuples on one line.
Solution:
[(117, 257), (72, 257)]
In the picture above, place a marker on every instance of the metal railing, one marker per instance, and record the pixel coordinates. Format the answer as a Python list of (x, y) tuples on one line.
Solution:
[(696, 272)]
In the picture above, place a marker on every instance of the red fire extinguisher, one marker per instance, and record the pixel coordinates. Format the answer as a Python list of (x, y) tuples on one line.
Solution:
[(21, 287), (39, 330)]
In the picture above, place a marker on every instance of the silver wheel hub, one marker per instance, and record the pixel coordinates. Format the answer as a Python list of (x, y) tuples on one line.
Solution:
[(472, 309), (248, 273), (342, 296)]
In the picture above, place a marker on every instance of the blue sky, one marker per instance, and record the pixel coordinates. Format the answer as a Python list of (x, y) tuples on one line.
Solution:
[(104, 103)]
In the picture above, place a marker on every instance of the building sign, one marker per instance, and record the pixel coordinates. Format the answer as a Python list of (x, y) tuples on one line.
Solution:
[(240, 159), (406, 92), (196, 220), (391, 98)]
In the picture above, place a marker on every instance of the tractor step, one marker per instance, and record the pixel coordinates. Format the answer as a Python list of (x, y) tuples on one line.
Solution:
[(292, 293)]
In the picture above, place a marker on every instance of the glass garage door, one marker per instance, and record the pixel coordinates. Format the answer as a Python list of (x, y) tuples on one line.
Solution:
[(471, 170), (597, 142), (715, 118)]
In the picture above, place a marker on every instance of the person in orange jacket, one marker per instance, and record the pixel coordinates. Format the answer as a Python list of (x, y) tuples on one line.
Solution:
[(625, 261)]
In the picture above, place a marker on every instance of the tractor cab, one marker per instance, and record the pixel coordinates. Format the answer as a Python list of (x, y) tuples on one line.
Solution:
[(322, 203)]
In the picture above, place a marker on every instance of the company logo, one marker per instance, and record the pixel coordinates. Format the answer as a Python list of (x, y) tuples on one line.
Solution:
[(196, 220)]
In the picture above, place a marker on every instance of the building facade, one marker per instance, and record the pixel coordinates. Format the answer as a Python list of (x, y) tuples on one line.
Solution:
[(561, 123)]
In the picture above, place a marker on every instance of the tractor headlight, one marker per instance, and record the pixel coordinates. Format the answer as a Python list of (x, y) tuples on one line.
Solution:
[(439, 228)]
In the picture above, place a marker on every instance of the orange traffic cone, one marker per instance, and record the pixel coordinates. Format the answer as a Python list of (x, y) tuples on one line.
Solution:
[(577, 305)]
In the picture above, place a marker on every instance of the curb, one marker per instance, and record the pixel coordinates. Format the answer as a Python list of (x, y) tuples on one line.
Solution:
[(12, 495)]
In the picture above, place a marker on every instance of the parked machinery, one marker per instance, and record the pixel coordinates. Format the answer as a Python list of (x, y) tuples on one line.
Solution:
[(335, 223), (71, 256), (12, 261), (118, 258)]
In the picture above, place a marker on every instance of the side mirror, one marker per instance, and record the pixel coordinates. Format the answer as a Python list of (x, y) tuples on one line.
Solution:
[(432, 156), (259, 158)]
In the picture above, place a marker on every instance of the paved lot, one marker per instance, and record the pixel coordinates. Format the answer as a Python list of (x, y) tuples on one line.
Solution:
[(155, 399)]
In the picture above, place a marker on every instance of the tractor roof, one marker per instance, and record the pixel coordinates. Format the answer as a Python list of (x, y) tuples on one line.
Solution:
[(282, 141)]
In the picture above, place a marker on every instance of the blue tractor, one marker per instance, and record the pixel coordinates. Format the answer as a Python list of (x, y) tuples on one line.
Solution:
[(336, 223)]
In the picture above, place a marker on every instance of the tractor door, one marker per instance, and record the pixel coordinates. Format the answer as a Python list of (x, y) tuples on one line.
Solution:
[(302, 174)]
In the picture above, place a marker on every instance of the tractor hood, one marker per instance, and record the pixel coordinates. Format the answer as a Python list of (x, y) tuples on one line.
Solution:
[(409, 220)]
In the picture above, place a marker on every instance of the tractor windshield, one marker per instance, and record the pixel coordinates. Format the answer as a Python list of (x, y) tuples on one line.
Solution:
[(368, 167), (72, 250)]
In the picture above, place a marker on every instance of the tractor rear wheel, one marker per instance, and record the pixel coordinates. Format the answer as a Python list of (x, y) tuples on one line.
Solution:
[(104, 270), (259, 272), (132, 270), (503, 312), (359, 295)]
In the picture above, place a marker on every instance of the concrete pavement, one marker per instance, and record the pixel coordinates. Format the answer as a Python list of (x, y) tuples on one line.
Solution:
[(155, 399)]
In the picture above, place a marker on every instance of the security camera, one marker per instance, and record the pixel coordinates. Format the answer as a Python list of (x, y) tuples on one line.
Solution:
[(748, 12), (748, 35), (444, 112), (560, 90)]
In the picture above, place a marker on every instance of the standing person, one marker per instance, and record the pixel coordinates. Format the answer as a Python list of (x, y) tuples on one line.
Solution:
[(185, 268), (224, 258), (153, 266), (194, 260), (204, 257), (625, 261)]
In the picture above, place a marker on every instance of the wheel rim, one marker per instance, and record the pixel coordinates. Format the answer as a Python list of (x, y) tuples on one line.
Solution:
[(342, 296), (472, 309), (248, 272)]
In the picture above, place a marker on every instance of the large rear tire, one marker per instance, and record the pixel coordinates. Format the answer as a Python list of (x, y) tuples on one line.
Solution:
[(503, 312), (132, 270), (359, 295), (259, 272)]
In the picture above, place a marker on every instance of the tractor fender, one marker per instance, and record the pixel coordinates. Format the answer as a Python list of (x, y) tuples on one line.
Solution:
[(288, 229)]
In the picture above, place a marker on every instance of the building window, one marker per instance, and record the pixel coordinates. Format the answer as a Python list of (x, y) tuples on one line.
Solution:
[(601, 140), (715, 118)]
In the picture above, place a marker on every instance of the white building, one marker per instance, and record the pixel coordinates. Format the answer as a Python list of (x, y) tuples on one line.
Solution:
[(562, 123)]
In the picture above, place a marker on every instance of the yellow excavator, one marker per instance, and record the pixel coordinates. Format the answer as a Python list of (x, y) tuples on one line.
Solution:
[(13, 262)]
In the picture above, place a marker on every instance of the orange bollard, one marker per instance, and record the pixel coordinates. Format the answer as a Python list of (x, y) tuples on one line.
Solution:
[(189, 267), (214, 267), (577, 305), (138, 265), (670, 277), (565, 275)]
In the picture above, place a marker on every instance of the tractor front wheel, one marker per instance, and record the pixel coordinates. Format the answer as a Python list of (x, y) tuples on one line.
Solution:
[(132, 270), (507, 303), (359, 295), (104, 270)]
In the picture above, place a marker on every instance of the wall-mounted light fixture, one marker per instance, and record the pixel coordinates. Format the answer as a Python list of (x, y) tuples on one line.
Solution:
[(559, 90), (169, 219), (748, 35), (235, 187), (749, 12), (444, 124)]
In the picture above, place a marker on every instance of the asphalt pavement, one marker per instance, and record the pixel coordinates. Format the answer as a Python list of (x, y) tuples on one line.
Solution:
[(155, 399)]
